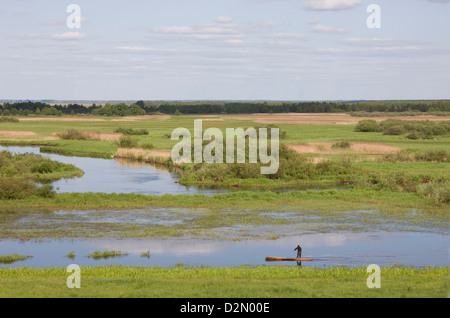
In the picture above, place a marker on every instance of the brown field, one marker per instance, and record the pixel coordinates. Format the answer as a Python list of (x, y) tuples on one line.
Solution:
[(327, 118), (17, 133), (361, 148), (93, 135), (103, 135), (145, 154)]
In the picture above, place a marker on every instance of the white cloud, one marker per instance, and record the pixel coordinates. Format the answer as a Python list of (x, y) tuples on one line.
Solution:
[(314, 21), (222, 29), (383, 44), (68, 36), (289, 35), (135, 48), (334, 5), (223, 20), (329, 30)]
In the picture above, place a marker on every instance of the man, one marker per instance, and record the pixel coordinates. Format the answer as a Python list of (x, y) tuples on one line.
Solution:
[(299, 251)]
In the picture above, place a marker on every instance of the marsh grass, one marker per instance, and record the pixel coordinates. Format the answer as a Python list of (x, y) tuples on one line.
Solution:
[(106, 254), (20, 173), (72, 134), (250, 217), (9, 259), (127, 141), (132, 131), (71, 255), (343, 144), (8, 119)]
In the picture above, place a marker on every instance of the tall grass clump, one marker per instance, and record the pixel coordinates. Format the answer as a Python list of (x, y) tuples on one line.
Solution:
[(9, 259), (428, 156), (438, 191), (20, 172), (72, 134), (106, 254), (127, 141), (132, 131), (292, 167), (8, 119), (343, 144)]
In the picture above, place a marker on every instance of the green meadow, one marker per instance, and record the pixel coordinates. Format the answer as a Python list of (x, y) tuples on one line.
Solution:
[(225, 282), (387, 181)]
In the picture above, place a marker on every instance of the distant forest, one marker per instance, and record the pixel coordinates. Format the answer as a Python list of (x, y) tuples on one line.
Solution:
[(439, 107)]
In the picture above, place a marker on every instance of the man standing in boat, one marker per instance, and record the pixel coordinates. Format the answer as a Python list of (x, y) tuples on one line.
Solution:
[(299, 253)]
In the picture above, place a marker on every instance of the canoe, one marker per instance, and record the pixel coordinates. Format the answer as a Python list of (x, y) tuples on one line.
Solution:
[(289, 259)]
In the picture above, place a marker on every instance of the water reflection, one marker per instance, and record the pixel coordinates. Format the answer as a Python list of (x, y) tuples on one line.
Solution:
[(126, 176), (327, 249)]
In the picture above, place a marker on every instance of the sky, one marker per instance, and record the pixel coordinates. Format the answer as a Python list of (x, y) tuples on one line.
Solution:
[(224, 50)]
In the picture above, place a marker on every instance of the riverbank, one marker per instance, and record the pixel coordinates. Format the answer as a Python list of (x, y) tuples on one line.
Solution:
[(225, 282)]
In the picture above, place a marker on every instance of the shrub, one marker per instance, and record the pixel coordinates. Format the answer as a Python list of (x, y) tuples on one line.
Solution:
[(343, 144), (439, 191), (9, 119), (127, 141), (147, 145), (413, 136), (72, 134), (433, 155), (394, 131), (16, 188), (367, 125), (132, 131)]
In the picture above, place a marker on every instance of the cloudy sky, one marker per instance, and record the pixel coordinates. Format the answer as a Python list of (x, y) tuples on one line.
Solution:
[(224, 50)]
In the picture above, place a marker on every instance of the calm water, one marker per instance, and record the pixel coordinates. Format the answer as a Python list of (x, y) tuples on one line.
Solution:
[(121, 176), (327, 249)]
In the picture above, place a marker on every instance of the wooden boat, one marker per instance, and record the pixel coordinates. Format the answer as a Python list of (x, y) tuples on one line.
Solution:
[(288, 259)]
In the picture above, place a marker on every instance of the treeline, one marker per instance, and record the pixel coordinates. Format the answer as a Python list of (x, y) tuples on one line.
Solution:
[(40, 108), (222, 107)]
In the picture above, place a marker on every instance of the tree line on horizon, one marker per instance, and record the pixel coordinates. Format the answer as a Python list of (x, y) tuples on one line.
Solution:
[(216, 107)]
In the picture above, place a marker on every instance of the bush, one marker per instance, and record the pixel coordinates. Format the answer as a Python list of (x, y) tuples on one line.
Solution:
[(132, 131), (394, 131), (367, 125), (9, 119), (343, 144), (12, 188), (413, 136), (433, 155), (439, 191), (72, 134), (127, 141), (147, 145)]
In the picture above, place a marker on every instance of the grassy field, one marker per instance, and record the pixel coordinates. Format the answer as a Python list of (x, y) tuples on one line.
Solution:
[(398, 180), (226, 282)]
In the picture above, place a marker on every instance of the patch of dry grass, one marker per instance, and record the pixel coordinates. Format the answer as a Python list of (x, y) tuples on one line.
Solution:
[(150, 155)]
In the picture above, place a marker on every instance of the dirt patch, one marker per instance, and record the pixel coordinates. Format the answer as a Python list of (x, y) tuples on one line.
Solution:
[(144, 154), (17, 133), (94, 135), (373, 148), (326, 148), (143, 117), (59, 119), (103, 135), (320, 118)]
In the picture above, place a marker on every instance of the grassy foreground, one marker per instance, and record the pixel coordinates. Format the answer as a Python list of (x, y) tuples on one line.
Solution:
[(226, 282)]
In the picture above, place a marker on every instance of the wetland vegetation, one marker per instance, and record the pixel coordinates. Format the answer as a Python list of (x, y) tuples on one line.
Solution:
[(402, 182)]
